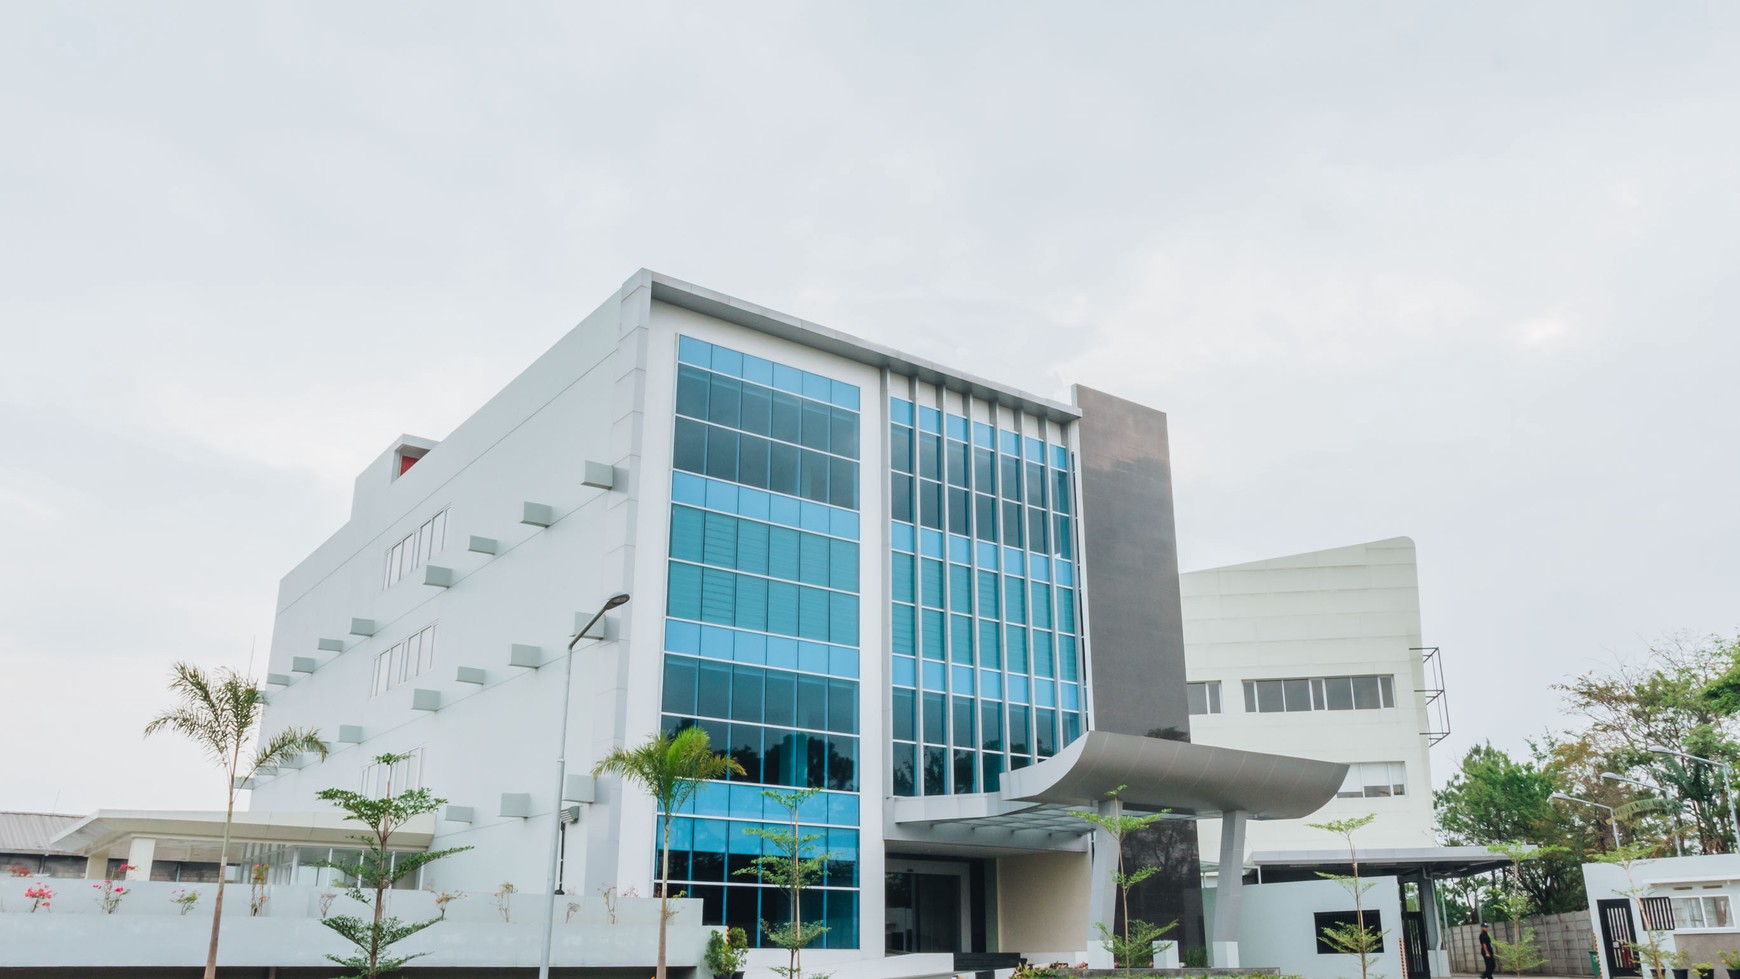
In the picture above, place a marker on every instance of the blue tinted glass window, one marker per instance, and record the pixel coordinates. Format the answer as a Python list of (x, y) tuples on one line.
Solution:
[(843, 565), (900, 448), (1041, 605), (1015, 648), (931, 584), (961, 638), (693, 351), (900, 411), (725, 401), (960, 588), (683, 594), (990, 649), (843, 618), (931, 642), (903, 631), (727, 361), (751, 603)]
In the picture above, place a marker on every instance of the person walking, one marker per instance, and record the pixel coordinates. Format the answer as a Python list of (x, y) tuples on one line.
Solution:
[(1487, 959)]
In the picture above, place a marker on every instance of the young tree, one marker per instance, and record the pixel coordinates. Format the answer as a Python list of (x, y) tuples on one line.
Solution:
[(220, 712), (377, 870), (670, 767), (1354, 938), (1133, 946), (1513, 904), (788, 869)]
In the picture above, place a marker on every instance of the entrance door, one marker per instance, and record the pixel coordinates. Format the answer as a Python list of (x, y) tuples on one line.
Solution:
[(1617, 937), (1414, 944), (923, 911)]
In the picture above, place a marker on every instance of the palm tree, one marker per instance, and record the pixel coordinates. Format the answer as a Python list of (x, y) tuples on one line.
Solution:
[(220, 712), (670, 768)]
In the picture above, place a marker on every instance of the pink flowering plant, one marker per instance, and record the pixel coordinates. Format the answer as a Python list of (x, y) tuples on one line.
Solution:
[(39, 896), (184, 900), (109, 892)]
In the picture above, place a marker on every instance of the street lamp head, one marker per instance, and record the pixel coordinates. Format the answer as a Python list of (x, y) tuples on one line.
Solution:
[(615, 601), (1567, 798), (1656, 749)]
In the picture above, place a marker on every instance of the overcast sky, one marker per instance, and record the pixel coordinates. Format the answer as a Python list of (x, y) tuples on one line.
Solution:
[(1463, 272)]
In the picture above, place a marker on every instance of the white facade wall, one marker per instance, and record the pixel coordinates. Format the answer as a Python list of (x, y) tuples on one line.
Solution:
[(528, 444), (1339, 612)]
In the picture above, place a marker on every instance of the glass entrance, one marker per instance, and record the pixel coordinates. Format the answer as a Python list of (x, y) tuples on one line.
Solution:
[(923, 912)]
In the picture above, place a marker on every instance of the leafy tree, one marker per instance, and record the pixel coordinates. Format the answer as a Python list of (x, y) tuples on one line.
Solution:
[(788, 869), (220, 712), (1494, 799), (1352, 938), (670, 767), (377, 870), (1133, 946), (1682, 696)]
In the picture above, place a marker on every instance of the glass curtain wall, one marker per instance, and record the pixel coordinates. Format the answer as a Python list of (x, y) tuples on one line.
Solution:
[(985, 632), (762, 627)]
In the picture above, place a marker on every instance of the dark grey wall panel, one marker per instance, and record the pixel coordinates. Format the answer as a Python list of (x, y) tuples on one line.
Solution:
[(1136, 627), (1135, 623)]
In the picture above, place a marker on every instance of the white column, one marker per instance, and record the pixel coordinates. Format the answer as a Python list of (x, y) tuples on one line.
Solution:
[(1102, 891), (1229, 890), (140, 853)]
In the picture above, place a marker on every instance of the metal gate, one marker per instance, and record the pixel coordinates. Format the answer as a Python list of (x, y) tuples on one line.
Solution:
[(1414, 944), (1618, 938)]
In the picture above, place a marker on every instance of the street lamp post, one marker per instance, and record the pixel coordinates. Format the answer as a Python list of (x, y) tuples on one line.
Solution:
[(1612, 816), (561, 779), (1727, 789), (1611, 777)]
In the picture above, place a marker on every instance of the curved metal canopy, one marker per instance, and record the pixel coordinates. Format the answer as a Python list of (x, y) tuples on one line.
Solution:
[(1177, 775)]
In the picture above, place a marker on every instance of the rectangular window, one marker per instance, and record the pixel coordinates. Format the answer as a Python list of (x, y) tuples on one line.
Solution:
[(1706, 911), (1374, 780), (1334, 919), (1204, 697), (416, 548), (408, 658), (1319, 693)]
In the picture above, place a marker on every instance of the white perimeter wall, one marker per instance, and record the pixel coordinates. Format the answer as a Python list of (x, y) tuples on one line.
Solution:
[(1345, 611), (1278, 928)]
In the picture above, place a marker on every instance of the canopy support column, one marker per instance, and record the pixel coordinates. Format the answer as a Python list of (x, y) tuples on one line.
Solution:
[(1229, 889)]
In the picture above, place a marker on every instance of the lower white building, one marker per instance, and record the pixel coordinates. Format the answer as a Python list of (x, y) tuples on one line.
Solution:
[(1320, 655)]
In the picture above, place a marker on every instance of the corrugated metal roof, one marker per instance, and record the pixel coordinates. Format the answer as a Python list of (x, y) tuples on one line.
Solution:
[(29, 832)]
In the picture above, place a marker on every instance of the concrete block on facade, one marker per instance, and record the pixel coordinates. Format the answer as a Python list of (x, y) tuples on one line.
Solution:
[(470, 674), (483, 545), (517, 804), (362, 627), (580, 788), (602, 629), (350, 734), (434, 574), (303, 664), (537, 514), (599, 475), (277, 679), (458, 814), (531, 657), (330, 645), (425, 699)]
